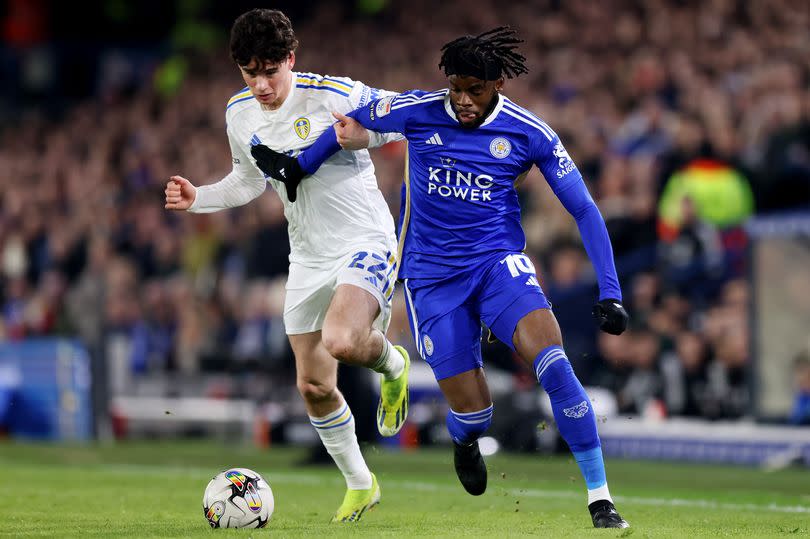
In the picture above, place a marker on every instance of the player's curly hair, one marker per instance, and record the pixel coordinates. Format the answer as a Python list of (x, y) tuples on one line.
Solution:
[(494, 49), (263, 34)]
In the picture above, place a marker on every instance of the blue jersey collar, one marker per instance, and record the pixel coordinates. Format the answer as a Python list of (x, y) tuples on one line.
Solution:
[(488, 120)]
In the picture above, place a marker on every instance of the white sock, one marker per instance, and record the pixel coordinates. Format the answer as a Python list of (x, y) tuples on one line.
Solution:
[(337, 434), (390, 363), (599, 493)]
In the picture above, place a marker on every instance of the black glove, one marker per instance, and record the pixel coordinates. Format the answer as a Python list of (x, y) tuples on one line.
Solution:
[(279, 166), (611, 316)]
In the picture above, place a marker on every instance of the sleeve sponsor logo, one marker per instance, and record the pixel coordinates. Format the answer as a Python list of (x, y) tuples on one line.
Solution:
[(383, 106), (563, 160), (365, 96)]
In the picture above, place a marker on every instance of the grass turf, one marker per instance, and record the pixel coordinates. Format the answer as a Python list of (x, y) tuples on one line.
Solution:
[(155, 490)]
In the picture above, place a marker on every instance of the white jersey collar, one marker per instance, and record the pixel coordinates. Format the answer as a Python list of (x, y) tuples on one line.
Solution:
[(489, 119)]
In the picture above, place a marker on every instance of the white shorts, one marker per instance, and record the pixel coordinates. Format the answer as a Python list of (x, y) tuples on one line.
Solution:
[(310, 289)]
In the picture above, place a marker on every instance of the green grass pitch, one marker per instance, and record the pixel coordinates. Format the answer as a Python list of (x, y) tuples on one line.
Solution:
[(155, 490)]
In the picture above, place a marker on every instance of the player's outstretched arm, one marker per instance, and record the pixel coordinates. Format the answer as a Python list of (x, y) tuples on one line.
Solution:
[(383, 115), (565, 180), (180, 193), (609, 312)]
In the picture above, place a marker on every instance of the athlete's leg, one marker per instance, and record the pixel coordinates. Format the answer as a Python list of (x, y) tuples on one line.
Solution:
[(363, 287), (470, 405), (466, 392), (469, 417), (538, 342), (350, 336), (515, 309), (348, 330), (447, 330), (316, 378)]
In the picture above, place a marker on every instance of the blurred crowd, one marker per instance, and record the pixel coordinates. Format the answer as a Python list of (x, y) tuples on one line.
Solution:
[(638, 91)]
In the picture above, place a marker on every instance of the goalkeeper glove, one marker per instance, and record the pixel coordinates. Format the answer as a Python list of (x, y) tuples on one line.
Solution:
[(611, 316), (279, 166)]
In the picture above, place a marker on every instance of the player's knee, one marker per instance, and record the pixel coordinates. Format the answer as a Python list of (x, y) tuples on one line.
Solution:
[(341, 342), (315, 391), (466, 428)]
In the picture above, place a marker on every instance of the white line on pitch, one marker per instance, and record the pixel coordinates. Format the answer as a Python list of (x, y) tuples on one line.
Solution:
[(303, 478)]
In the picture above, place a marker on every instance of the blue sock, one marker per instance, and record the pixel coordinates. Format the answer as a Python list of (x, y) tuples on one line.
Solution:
[(573, 413), (467, 428)]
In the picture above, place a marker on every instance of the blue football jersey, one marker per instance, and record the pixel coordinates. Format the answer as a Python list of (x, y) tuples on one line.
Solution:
[(459, 200)]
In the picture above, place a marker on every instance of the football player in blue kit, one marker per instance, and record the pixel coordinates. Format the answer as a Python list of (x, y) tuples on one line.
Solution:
[(461, 244)]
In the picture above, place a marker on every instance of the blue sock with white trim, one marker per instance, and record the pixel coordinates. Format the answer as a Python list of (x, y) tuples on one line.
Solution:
[(575, 419), (465, 428), (336, 431)]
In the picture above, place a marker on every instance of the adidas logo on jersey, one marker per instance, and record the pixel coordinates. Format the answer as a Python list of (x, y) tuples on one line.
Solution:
[(532, 281), (435, 139)]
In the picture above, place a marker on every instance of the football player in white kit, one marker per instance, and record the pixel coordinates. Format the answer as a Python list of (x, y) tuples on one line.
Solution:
[(342, 241)]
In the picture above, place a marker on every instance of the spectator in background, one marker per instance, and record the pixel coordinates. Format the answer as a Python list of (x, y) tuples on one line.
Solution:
[(260, 335), (800, 413), (717, 194), (692, 262), (153, 335), (268, 249), (641, 392), (10, 380), (684, 376), (614, 364), (786, 178), (727, 396), (571, 293), (645, 296)]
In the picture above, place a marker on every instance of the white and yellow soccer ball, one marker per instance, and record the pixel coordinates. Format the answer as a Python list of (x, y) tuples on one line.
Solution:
[(238, 498)]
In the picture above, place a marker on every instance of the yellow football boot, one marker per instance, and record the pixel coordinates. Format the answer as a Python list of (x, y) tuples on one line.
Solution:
[(393, 408), (357, 502)]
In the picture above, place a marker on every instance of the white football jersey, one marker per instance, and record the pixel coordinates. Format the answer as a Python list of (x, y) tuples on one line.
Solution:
[(339, 206)]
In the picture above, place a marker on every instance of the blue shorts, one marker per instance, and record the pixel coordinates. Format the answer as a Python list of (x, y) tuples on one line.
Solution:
[(446, 315)]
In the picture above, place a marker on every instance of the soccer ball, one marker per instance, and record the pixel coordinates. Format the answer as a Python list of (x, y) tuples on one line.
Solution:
[(238, 498)]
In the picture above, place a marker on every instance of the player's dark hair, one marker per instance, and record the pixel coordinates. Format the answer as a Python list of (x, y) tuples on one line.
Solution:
[(263, 34), (487, 56)]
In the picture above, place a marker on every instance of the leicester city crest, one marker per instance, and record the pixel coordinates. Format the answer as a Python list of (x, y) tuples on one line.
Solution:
[(500, 148), (301, 126)]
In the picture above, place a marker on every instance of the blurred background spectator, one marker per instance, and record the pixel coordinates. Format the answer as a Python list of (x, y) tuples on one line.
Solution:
[(800, 415)]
